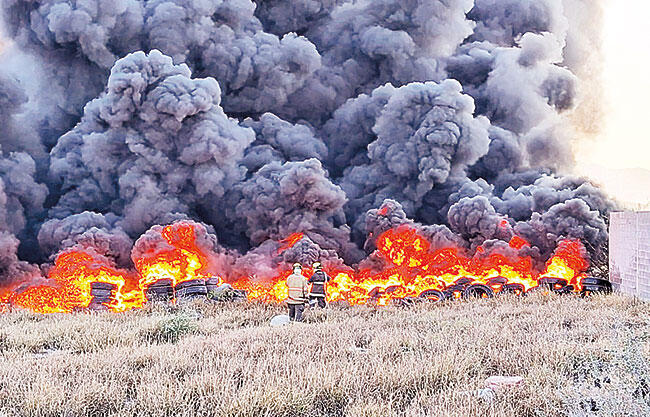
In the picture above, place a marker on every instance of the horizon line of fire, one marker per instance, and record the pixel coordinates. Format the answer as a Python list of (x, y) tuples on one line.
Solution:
[(411, 270)]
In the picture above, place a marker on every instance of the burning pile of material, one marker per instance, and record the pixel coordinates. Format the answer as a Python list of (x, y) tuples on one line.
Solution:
[(289, 131), (174, 261)]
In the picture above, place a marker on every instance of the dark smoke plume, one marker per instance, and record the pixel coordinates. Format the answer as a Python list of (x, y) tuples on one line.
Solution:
[(338, 119)]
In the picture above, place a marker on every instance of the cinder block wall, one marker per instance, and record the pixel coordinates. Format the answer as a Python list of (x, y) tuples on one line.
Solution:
[(629, 253)]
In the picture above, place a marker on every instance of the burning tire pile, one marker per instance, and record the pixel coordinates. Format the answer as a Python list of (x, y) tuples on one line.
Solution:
[(103, 295), (406, 270), (463, 289), (163, 290)]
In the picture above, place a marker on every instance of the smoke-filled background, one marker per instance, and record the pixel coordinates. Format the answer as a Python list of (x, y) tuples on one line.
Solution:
[(336, 118)]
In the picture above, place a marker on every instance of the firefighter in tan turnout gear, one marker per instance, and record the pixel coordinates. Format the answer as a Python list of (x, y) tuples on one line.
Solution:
[(318, 280), (297, 298)]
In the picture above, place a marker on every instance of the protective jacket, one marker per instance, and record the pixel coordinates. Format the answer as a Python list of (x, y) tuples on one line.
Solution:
[(297, 289), (317, 282)]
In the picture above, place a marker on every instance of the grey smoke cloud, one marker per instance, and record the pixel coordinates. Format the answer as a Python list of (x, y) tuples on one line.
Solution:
[(154, 144), (258, 119), (425, 133)]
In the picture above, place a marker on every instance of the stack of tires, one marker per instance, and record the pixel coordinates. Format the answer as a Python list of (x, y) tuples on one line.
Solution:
[(194, 288), (591, 285), (161, 290), (433, 296), (103, 294), (462, 288), (557, 285), (502, 286), (212, 285)]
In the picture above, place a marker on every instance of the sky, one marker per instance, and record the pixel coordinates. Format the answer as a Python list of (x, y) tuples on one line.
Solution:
[(620, 153)]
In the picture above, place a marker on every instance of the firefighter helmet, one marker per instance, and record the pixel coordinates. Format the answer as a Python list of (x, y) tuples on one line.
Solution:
[(297, 265), (317, 265)]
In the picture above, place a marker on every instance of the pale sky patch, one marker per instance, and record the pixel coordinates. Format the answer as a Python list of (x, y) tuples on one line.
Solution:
[(620, 153)]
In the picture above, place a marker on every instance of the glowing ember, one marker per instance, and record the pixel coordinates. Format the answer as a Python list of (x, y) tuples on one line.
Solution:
[(411, 269)]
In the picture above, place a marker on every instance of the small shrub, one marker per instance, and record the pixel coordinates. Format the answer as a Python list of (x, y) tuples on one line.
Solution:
[(170, 329), (330, 403)]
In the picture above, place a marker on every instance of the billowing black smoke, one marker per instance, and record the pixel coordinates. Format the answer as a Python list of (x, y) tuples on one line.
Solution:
[(335, 118)]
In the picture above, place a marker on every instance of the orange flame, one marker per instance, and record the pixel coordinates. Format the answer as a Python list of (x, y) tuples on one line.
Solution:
[(184, 260), (410, 269), (71, 276), (289, 241)]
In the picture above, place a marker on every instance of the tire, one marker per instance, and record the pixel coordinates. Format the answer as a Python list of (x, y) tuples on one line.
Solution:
[(212, 284), (97, 307), (375, 292), (553, 284), (159, 294), (463, 282), (405, 302), (161, 283), (160, 290), (567, 289), (239, 295), (195, 291), (102, 286), (497, 281), (513, 288), (213, 281), (454, 292), (190, 283), (433, 296), (590, 289), (101, 292), (392, 289), (478, 291), (595, 281)]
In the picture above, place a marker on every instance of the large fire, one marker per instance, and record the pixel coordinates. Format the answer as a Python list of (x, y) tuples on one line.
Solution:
[(411, 269), (184, 261)]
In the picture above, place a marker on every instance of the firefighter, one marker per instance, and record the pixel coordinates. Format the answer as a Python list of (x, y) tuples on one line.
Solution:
[(297, 284), (318, 281)]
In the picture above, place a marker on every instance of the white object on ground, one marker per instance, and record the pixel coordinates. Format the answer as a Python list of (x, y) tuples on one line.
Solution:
[(485, 394), (499, 383), (280, 320)]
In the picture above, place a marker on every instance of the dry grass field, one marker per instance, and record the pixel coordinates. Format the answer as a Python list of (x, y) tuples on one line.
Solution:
[(579, 357)]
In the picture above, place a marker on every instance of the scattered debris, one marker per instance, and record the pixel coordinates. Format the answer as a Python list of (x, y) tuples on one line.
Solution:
[(225, 292), (498, 383), (494, 386), (485, 394)]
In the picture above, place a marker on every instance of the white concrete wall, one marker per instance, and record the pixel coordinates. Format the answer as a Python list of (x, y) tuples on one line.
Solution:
[(629, 253)]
